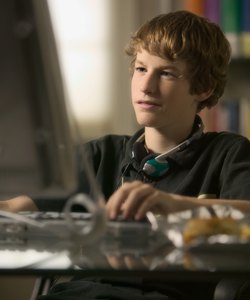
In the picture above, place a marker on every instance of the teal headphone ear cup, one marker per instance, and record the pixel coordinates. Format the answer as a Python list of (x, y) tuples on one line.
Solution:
[(153, 168)]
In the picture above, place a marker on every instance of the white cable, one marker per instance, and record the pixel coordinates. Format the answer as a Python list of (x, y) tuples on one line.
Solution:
[(21, 218)]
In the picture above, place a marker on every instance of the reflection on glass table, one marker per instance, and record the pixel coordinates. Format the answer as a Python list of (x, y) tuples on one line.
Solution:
[(50, 241)]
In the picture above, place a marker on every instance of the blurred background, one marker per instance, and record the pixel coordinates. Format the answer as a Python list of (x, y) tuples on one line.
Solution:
[(64, 79), (91, 37)]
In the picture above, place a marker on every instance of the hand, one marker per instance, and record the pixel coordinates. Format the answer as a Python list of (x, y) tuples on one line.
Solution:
[(135, 199), (20, 203), (135, 260), (129, 261)]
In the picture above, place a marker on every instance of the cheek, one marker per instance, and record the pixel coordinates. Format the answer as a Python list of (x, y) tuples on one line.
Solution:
[(177, 93), (133, 88), (170, 94)]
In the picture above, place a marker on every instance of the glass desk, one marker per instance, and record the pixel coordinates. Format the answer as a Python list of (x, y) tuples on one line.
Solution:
[(120, 249)]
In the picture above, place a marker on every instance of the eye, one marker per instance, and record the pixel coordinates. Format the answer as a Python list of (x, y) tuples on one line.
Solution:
[(169, 74), (140, 69)]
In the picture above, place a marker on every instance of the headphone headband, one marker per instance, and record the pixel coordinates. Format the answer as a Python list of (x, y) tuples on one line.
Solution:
[(158, 166)]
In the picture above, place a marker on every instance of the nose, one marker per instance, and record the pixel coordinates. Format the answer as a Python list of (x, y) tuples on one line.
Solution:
[(148, 83)]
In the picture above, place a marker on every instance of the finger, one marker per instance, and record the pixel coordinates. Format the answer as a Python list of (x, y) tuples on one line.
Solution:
[(132, 262), (155, 202), (118, 198), (116, 262), (135, 198)]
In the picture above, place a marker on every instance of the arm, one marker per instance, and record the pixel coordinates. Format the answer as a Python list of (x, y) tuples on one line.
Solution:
[(135, 199), (20, 203), (231, 156)]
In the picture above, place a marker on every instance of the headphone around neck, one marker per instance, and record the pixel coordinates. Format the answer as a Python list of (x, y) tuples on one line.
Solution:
[(157, 166)]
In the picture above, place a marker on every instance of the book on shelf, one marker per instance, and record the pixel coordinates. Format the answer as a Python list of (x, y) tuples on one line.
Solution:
[(212, 10), (232, 15), (231, 115), (232, 105), (245, 28), (230, 12), (244, 124), (195, 6)]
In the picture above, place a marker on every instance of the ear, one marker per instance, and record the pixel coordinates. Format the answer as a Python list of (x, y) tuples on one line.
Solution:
[(203, 96)]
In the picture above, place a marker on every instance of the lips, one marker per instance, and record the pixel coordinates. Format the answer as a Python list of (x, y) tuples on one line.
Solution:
[(146, 104)]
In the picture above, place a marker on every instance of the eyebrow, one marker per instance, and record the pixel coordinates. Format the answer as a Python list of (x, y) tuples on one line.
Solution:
[(139, 62), (172, 67)]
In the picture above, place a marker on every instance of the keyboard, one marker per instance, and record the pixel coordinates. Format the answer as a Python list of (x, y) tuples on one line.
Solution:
[(55, 230)]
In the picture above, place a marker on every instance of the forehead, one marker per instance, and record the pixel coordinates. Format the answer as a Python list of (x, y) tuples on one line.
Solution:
[(146, 58)]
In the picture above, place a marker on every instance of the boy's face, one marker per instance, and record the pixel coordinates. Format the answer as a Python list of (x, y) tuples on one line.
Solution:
[(160, 92)]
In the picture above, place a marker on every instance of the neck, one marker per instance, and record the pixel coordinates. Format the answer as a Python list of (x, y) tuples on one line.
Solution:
[(158, 141)]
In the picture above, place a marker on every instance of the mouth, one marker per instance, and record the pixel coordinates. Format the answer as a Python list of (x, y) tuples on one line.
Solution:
[(147, 104)]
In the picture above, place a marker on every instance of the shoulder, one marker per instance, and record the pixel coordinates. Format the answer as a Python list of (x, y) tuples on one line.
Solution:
[(107, 143), (225, 138), (104, 148), (226, 143), (113, 143)]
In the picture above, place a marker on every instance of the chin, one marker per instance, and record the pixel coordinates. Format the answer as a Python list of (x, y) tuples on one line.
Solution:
[(147, 123), (147, 119)]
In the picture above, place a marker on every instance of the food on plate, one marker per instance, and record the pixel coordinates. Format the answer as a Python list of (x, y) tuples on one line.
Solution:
[(199, 227), (245, 231)]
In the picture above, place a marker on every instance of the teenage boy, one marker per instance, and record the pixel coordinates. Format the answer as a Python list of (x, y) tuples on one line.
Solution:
[(179, 66)]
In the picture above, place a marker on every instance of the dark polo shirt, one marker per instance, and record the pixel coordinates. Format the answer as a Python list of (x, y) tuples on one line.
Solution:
[(216, 165)]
